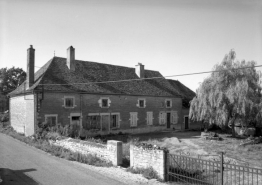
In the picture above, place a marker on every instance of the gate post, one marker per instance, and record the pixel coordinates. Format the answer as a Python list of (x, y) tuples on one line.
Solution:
[(222, 168), (166, 161)]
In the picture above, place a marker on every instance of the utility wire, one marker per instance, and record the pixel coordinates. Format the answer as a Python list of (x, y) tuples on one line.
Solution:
[(139, 79), (188, 74)]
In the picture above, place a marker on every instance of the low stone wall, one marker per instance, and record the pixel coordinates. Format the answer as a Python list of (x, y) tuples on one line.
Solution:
[(144, 157), (112, 151)]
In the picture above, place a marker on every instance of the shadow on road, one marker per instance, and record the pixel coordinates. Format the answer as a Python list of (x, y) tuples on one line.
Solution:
[(16, 177)]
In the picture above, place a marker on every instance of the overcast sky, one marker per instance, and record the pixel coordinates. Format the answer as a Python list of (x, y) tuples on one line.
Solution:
[(170, 36)]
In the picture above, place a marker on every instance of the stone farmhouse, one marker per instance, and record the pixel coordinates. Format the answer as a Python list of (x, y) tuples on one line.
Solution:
[(99, 98)]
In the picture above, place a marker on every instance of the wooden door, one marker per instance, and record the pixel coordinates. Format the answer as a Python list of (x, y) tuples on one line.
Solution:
[(186, 122), (105, 122), (168, 120)]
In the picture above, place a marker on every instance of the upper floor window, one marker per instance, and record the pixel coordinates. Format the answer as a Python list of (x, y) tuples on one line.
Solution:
[(141, 103), (168, 103), (104, 102), (69, 102)]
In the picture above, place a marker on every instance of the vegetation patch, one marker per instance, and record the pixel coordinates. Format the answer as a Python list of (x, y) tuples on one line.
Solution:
[(43, 143), (148, 173)]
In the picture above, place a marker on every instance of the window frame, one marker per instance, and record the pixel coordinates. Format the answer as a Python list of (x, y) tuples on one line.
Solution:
[(100, 102), (168, 100), (136, 119), (51, 115), (148, 119), (138, 102), (118, 119), (69, 97)]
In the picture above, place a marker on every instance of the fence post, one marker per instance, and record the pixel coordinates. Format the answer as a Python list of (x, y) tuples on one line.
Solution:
[(222, 168)]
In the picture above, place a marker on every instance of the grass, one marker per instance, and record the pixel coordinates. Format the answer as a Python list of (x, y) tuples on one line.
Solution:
[(58, 151), (148, 173)]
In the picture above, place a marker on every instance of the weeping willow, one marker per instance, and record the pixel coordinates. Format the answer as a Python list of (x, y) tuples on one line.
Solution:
[(230, 94)]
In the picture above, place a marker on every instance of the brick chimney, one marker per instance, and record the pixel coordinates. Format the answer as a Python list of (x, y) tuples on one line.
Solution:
[(30, 67), (140, 70), (70, 62)]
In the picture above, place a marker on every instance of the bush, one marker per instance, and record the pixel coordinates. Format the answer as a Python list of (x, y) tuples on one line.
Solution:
[(148, 173), (4, 117)]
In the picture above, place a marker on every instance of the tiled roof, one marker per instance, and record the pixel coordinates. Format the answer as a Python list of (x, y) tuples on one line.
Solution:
[(56, 72), (186, 93)]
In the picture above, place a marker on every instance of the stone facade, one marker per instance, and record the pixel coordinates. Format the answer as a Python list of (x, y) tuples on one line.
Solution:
[(22, 114), (196, 125), (143, 158), (86, 104)]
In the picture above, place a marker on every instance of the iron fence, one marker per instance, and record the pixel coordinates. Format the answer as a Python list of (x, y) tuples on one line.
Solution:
[(189, 170)]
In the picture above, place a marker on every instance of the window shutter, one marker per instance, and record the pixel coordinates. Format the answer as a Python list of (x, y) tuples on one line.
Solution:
[(135, 115)]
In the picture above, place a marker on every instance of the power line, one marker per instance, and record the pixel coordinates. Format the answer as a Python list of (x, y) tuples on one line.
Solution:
[(188, 74), (139, 79)]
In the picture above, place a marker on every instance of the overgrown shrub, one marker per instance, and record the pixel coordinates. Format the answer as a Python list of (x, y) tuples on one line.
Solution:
[(4, 117), (148, 173)]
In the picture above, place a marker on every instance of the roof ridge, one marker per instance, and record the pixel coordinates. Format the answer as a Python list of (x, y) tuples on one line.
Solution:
[(108, 64)]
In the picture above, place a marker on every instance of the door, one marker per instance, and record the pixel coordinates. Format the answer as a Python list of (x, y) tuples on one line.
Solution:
[(105, 122), (168, 119), (186, 122), (75, 124)]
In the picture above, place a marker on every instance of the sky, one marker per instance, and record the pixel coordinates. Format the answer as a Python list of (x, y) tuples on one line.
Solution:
[(170, 36)]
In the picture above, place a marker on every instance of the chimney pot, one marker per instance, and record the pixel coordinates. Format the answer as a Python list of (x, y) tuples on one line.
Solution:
[(71, 58), (140, 70), (30, 76)]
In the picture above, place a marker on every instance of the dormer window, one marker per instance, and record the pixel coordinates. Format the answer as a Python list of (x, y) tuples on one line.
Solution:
[(141, 103), (168, 103), (104, 102), (69, 102)]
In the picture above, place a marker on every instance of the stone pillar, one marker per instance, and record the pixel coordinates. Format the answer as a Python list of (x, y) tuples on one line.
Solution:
[(115, 149)]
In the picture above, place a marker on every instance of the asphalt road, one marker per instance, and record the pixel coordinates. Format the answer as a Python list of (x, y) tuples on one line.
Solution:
[(21, 164)]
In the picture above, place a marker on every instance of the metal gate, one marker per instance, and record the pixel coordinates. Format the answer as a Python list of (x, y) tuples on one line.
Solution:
[(189, 170)]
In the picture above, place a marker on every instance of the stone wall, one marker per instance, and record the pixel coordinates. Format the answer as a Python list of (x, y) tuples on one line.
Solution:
[(22, 114), (123, 104), (143, 157), (111, 152)]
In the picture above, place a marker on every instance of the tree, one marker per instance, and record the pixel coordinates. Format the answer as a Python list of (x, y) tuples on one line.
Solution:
[(10, 79), (233, 93)]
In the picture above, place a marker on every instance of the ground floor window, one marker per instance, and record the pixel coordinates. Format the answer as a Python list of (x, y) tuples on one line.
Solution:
[(174, 117), (92, 122), (115, 120), (51, 120), (149, 118), (162, 118), (133, 119)]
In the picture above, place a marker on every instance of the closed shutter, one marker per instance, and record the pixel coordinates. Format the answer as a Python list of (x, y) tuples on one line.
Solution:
[(133, 119), (174, 117), (162, 118), (149, 118)]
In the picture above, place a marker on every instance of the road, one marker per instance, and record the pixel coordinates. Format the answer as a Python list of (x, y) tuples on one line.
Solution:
[(21, 164)]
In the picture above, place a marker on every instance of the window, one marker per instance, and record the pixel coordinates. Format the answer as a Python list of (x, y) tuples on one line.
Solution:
[(133, 119), (69, 102), (51, 120), (92, 122), (114, 121), (104, 102), (141, 103), (174, 117), (162, 118), (149, 118), (168, 103)]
